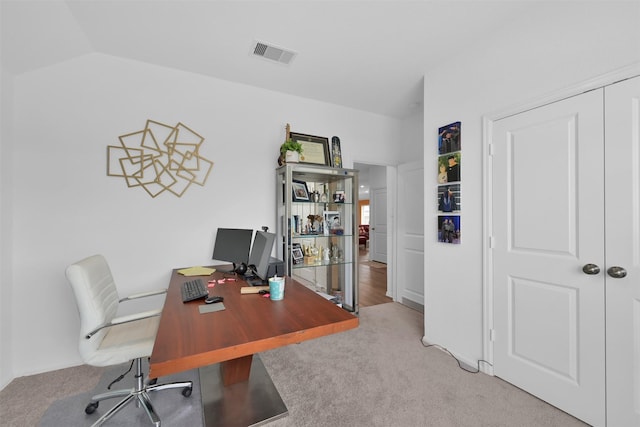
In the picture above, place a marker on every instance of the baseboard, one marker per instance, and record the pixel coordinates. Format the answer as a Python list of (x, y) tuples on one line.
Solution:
[(413, 305)]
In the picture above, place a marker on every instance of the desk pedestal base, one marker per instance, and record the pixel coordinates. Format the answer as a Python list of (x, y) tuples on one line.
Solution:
[(248, 403)]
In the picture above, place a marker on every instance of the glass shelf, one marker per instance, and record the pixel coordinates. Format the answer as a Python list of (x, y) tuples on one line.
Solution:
[(339, 275)]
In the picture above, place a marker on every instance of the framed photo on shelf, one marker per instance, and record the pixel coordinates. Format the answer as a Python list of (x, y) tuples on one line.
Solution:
[(300, 191), (332, 220), (338, 196), (315, 149), (296, 254)]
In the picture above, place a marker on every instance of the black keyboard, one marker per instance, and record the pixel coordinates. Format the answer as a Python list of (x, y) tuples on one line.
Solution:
[(194, 289)]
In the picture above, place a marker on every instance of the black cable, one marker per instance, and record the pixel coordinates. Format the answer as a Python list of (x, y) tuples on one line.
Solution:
[(120, 377), (456, 359)]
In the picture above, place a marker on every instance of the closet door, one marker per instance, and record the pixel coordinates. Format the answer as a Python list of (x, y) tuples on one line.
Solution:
[(622, 270), (547, 224)]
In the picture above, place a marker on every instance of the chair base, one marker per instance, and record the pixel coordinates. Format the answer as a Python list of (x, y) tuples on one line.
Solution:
[(139, 394)]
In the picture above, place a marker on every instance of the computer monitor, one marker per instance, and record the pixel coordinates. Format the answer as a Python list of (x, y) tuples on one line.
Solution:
[(232, 245), (260, 255)]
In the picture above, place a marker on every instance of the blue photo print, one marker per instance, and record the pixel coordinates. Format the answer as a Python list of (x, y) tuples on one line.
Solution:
[(449, 229)]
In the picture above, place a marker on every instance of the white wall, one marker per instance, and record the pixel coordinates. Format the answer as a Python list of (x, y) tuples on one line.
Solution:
[(410, 143), (523, 62), (5, 225), (64, 206)]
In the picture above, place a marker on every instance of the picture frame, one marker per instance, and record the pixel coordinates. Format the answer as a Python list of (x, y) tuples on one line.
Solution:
[(296, 254), (300, 191), (448, 197), (449, 138), (315, 149), (332, 221), (338, 196), (449, 229), (449, 166)]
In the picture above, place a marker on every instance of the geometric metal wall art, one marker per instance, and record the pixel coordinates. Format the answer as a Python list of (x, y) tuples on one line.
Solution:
[(159, 158)]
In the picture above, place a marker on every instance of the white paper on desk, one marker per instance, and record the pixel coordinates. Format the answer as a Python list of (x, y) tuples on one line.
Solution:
[(326, 296), (210, 308)]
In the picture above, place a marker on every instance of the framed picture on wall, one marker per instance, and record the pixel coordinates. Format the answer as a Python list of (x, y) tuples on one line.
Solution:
[(449, 138), (449, 229), (449, 198), (449, 167)]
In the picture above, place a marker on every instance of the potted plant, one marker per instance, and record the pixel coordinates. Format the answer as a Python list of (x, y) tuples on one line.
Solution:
[(290, 151)]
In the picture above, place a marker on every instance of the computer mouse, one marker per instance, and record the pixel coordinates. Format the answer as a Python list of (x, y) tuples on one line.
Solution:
[(213, 299)]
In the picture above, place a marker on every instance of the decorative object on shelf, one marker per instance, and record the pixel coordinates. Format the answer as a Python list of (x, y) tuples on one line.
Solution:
[(159, 158), (338, 196), (290, 150), (336, 152), (315, 149), (300, 191), (324, 197)]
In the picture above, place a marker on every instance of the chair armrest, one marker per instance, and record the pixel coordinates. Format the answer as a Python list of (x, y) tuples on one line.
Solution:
[(144, 294), (126, 319)]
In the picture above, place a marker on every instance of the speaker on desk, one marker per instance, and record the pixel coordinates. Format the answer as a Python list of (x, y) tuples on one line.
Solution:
[(276, 267)]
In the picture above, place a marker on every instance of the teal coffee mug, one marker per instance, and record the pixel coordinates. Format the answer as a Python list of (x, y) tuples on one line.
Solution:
[(276, 288)]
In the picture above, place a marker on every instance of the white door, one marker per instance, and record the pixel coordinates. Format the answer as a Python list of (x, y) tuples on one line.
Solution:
[(548, 217), (378, 226), (622, 127), (410, 260)]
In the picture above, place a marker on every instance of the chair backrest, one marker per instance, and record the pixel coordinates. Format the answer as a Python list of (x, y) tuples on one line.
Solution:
[(96, 297)]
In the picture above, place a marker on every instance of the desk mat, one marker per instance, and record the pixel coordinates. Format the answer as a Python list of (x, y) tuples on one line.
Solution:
[(210, 308)]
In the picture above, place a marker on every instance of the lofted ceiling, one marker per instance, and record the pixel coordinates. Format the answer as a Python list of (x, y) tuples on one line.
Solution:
[(366, 55)]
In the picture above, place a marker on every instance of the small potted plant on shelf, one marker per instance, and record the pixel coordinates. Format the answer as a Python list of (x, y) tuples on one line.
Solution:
[(290, 151)]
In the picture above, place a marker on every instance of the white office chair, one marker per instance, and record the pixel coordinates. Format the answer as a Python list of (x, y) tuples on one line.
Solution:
[(107, 340)]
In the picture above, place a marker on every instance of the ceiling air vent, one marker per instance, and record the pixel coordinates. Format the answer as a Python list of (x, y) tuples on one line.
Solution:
[(272, 53)]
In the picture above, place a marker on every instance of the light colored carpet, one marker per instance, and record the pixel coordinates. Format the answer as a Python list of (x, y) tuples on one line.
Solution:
[(379, 374)]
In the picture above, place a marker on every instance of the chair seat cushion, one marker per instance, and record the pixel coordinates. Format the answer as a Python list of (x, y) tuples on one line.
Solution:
[(126, 342)]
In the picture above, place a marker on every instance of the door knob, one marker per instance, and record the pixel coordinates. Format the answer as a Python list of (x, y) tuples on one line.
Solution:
[(617, 272), (591, 269)]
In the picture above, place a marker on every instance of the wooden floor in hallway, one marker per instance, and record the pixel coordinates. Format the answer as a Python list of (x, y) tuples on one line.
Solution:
[(372, 280)]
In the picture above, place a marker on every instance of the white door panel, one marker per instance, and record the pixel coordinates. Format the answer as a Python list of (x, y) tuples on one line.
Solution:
[(378, 227), (622, 124), (410, 261), (547, 223)]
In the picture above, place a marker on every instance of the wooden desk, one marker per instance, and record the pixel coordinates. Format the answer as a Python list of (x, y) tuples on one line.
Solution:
[(249, 324)]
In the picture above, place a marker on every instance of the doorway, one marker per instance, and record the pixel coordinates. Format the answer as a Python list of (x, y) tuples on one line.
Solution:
[(373, 272)]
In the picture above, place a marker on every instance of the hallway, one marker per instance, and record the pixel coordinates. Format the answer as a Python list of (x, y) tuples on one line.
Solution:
[(372, 280)]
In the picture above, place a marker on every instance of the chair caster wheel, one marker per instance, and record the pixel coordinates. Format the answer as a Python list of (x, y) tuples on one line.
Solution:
[(91, 407), (186, 392)]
